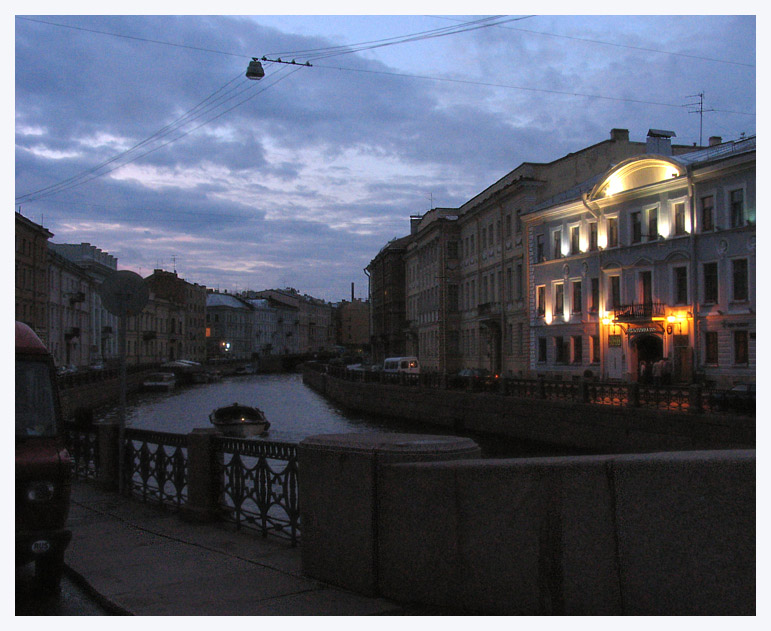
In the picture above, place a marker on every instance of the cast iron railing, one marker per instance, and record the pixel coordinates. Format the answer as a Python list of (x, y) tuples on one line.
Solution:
[(672, 398), (84, 452), (156, 466), (259, 486)]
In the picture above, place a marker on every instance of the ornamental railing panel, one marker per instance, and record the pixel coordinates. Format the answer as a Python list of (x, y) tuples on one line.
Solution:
[(156, 466), (83, 447), (259, 486), (608, 393), (665, 397)]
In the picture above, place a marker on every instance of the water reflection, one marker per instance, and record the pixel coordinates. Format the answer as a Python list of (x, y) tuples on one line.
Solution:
[(294, 410)]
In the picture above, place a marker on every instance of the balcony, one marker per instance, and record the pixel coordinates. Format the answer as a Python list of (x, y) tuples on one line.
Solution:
[(639, 312)]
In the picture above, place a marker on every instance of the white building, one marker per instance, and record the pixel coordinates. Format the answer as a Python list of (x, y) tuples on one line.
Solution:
[(654, 259), (98, 265)]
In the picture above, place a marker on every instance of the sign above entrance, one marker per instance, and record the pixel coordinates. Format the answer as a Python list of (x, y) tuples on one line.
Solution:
[(644, 330)]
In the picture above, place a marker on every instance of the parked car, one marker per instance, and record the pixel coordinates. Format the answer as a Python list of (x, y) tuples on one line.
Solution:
[(740, 398), (43, 466)]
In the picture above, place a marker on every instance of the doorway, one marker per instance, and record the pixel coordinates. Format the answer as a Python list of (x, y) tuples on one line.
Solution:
[(649, 350)]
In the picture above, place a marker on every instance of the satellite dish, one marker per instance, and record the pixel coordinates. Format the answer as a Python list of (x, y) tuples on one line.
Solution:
[(124, 293)]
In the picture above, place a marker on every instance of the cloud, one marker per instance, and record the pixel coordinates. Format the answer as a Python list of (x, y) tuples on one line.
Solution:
[(303, 176)]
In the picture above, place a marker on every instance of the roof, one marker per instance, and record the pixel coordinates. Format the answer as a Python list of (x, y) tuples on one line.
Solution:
[(225, 300), (700, 156)]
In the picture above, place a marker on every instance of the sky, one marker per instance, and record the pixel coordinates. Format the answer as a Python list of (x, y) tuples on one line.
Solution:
[(141, 135)]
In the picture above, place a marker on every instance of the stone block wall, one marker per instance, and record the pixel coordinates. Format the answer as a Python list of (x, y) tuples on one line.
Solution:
[(651, 534), (601, 428)]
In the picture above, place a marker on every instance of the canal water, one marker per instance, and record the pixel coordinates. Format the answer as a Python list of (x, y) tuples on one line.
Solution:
[(293, 409)]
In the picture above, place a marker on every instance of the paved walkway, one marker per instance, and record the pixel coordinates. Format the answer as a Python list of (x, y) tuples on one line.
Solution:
[(145, 560)]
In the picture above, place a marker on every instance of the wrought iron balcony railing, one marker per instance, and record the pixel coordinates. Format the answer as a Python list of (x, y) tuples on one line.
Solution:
[(639, 311)]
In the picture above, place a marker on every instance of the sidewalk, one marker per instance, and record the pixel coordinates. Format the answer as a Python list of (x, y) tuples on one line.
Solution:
[(147, 561)]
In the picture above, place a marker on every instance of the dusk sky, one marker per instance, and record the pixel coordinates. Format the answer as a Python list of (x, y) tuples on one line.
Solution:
[(142, 136)]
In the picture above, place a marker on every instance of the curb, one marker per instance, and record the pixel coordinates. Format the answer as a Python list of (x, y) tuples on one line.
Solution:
[(113, 608)]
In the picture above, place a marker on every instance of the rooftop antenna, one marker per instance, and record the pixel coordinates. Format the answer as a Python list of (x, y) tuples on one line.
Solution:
[(174, 262), (431, 199), (700, 111)]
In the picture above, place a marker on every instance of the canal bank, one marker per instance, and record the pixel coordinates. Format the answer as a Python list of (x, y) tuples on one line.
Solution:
[(567, 424)]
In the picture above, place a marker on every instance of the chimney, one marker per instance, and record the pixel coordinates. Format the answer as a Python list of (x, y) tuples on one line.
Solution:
[(619, 135), (414, 223), (351, 292), (659, 142), (715, 140)]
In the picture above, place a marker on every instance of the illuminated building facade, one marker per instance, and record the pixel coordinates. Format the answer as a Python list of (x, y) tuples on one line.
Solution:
[(653, 259)]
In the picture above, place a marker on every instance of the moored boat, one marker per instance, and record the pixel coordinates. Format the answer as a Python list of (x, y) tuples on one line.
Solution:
[(160, 381), (241, 421)]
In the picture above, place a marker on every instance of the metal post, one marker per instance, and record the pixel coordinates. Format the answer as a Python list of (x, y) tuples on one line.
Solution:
[(122, 407)]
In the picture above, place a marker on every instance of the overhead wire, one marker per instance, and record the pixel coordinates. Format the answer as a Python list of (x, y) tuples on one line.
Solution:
[(201, 110), (83, 177)]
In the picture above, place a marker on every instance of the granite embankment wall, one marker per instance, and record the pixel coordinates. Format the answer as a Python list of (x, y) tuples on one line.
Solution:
[(97, 392), (644, 534), (601, 428)]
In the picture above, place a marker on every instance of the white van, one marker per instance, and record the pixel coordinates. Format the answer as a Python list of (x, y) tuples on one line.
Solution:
[(402, 364)]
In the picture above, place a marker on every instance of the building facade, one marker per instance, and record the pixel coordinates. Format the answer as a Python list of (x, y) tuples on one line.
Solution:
[(352, 324), (187, 314), (387, 300), (229, 324), (432, 291), (70, 304), (98, 265), (32, 275), (648, 272)]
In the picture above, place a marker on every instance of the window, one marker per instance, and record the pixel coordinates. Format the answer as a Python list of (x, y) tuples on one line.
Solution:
[(636, 227), (594, 303), (560, 350), (452, 298), (578, 349), (710, 283), (653, 224), (710, 347), (540, 255), (646, 287), (519, 281), (679, 219), (541, 300), (614, 293), (542, 349), (737, 208), (559, 300), (557, 244), (577, 298), (681, 285), (518, 222), (612, 232), (595, 339), (707, 213), (741, 291), (575, 240), (741, 348), (508, 225), (452, 249), (593, 236)]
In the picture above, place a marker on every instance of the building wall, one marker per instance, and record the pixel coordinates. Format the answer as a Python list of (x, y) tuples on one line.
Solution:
[(32, 275), (71, 295), (649, 301)]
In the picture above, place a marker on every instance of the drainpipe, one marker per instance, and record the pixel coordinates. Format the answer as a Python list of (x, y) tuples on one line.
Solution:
[(694, 285), (597, 214)]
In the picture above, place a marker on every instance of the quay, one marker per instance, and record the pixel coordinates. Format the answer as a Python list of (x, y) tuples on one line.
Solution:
[(140, 559), (389, 524)]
